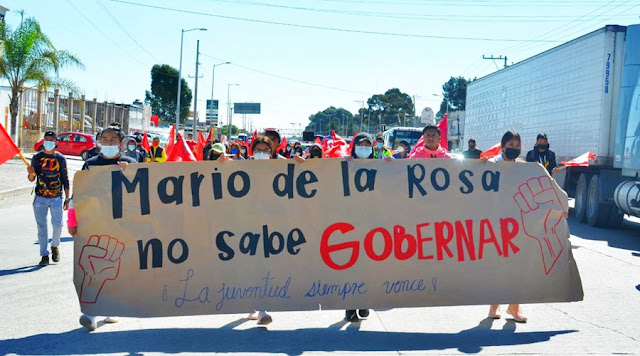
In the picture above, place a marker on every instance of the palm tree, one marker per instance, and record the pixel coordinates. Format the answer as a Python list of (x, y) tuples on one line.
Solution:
[(30, 58)]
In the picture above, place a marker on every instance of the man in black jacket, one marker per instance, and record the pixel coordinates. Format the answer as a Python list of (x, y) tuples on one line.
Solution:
[(541, 153), (472, 152)]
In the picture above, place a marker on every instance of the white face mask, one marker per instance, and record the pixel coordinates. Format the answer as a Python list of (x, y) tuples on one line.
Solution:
[(400, 149), (131, 147), (243, 151), (110, 151), (261, 155), (363, 151)]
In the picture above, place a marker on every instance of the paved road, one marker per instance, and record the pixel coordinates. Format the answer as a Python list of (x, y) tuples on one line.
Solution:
[(13, 173), (40, 311)]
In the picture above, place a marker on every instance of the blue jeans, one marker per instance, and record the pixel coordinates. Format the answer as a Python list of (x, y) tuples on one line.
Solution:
[(41, 207)]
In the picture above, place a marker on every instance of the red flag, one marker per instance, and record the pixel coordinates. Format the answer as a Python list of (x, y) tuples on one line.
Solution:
[(171, 140), (8, 148), (339, 148), (181, 152), (155, 119), (351, 144), (492, 152), (253, 138), (283, 144), (325, 145), (145, 142), (210, 137), (443, 125), (201, 139), (580, 161), (198, 151)]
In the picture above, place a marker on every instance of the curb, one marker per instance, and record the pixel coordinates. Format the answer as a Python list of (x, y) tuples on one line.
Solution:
[(15, 192)]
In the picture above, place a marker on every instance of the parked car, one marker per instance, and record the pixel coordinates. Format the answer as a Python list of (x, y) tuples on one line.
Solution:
[(71, 143)]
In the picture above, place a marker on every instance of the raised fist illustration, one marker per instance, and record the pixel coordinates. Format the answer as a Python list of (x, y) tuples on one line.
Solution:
[(100, 262), (541, 211)]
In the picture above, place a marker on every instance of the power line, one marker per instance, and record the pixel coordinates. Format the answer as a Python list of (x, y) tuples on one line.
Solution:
[(105, 35), (233, 63), (411, 16), (104, 8), (325, 28), (470, 3)]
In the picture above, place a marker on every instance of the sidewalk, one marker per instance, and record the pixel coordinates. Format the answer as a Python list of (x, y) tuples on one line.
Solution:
[(13, 175)]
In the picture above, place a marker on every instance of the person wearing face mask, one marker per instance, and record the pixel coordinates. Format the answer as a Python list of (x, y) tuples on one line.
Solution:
[(541, 154), (402, 150), (472, 152), (157, 153), (362, 149), (510, 151), (276, 139), (49, 167), (112, 141), (216, 151), (132, 150), (314, 152), (235, 150), (262, 148), (380, 151), (431, 147)]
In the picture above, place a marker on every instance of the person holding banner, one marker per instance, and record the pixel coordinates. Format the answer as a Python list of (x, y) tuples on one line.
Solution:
[(49, 167), (431, 147), (510, 151), (112, 140), (235, 150), (314, 152), (402, 150)]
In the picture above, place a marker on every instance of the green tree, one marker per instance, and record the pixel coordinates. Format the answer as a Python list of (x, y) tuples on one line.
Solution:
[(393, 108), (164, 90), (30, 58), (234, 130), (454, 92), (331, 118)]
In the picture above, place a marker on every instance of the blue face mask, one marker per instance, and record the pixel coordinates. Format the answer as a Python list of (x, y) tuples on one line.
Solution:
[(49, 145), (131, 147), (379, 144), (110, 151), (363, 151), (234, 150)]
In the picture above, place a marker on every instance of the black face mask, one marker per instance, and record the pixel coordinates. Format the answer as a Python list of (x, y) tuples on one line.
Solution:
[(214, 157), (512, 153), (315, 154), (542, 148), (472, 147)]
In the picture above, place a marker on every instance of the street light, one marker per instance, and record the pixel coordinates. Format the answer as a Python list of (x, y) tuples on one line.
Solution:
[(180, 77), (229, 114), (213, 76)]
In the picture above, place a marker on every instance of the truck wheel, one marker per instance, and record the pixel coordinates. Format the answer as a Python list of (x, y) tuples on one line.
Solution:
[(597, 212), (580, 206)]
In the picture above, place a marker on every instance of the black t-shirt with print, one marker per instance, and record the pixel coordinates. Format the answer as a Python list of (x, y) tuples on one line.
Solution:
[(51, 174), (101, 161)]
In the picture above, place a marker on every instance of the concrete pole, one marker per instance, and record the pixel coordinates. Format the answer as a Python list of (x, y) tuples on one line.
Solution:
[(56, 110), (39, 110), (70, 113), (82, 108), (94, 115), (195, 95)]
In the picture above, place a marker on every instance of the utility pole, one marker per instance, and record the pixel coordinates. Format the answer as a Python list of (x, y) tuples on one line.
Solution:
[(499, 58), (195, 100)]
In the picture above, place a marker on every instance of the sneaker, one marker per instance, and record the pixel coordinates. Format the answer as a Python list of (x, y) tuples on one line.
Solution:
[(88, 322), (55, 254), (44, 261), (111, 320), (363, 313), (264, 318), (351, 316), (253, 316)]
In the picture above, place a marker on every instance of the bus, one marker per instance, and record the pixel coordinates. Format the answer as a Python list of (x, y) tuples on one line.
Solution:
[(393, 136)]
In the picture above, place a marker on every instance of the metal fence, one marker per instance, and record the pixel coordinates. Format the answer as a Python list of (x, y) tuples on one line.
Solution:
[(41, 111)]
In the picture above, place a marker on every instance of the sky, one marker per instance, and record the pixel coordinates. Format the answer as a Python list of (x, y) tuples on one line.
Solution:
[(298, 57)]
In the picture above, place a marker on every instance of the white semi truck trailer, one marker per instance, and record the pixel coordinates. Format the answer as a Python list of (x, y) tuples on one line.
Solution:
[(585, 94)]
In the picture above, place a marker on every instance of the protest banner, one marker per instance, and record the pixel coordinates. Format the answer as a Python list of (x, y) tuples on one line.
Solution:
[(208, 237)]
